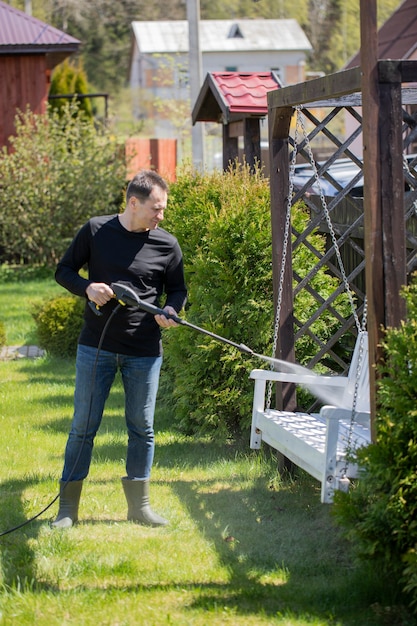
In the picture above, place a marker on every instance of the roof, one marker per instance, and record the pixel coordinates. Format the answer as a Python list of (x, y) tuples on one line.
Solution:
[(22, 33), (221, 35), (397, 37), (232, 96)]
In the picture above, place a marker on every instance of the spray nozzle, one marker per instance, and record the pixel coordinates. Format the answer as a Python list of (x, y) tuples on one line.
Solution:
[(125, 295)]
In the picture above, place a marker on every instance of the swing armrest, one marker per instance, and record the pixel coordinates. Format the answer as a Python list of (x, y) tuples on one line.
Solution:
[(328, 412), (300, 379), (329, 389)]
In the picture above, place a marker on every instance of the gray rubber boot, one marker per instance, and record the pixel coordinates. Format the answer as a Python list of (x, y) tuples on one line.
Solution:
[(69, 499), (138, 508)]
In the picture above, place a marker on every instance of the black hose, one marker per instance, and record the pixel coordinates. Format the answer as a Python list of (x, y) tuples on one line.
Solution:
[(65, 483)]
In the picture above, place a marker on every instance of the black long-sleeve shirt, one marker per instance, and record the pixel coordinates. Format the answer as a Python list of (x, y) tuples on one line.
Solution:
[(150, 262)]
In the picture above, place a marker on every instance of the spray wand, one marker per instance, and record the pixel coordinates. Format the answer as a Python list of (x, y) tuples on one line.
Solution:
[(125, 295)]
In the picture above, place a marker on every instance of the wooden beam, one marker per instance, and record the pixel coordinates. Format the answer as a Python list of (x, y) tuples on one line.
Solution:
[(392, 201), (343, 88), (336, 85), (372, 190), (236, 129), (389, 70)]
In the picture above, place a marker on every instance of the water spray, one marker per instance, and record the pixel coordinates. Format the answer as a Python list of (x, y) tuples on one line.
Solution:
[(322, 387)]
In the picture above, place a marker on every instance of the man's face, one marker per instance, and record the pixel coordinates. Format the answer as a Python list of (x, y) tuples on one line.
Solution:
[(148, 213)]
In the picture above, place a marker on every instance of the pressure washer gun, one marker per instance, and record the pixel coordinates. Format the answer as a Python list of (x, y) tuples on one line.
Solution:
[(126, 296)]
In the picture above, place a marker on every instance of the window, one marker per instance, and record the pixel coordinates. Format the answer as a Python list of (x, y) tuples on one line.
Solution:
[(235, 32)]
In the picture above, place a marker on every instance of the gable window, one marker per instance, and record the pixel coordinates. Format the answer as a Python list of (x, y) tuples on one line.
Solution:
[(278, 73), (235, 32)]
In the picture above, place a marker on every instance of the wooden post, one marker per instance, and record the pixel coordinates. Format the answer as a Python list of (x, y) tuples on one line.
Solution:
[(279, 128), (252, 141), (383, 195), (230, 147), (392, 192), (372, 188)]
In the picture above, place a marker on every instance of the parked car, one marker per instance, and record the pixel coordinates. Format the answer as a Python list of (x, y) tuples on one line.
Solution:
[(343, 172)]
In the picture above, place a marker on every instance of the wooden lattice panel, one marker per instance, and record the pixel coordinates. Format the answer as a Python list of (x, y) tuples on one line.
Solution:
[(345, 210)]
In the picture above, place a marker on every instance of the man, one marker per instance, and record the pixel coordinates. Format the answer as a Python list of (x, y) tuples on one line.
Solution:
[(131, 249)]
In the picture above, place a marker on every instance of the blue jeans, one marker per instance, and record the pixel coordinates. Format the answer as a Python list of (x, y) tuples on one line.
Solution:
[(140, 376)]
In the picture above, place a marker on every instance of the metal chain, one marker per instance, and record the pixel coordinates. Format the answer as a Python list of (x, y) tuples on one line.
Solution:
[(355, 397), (360, 327), (330, 225), (287, 229)]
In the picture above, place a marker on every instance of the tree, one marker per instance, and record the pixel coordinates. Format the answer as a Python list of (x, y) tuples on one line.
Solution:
[(69, 78), (324, 16), (105, 29), (379, 512)]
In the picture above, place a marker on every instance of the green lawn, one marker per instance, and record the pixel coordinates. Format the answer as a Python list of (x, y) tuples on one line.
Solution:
[(243, 546), (17, 298)]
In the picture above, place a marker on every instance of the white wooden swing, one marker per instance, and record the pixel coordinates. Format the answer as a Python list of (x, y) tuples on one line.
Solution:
[(320, 443)]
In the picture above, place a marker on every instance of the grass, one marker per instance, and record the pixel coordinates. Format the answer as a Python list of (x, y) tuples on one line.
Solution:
[(20, 289), (244, 545)]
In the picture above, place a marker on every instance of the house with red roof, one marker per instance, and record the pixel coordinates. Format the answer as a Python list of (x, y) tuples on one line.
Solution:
[(29, 51)]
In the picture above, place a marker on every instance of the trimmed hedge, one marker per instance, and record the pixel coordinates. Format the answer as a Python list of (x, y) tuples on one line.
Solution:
[(58, 324), (222, 222)]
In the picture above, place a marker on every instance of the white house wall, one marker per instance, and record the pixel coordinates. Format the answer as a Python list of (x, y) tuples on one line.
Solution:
[(255, 62), (289, 67)]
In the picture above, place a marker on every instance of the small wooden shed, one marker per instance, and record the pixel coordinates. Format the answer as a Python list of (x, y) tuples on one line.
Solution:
[(238, 101), (29, 50)]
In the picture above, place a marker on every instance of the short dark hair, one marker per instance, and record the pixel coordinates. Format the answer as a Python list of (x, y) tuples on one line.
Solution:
[(142, 184)]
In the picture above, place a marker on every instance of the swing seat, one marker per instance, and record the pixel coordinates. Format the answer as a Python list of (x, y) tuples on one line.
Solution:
[(319, 442)]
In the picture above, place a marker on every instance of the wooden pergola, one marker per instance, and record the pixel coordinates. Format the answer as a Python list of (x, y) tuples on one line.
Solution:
[(379, 87)]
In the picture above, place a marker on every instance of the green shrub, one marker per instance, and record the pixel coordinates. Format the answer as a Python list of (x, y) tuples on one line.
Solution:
[(61, 171), (379, 514), (70, 78), (2, 334), (58, 324), (222, 221)]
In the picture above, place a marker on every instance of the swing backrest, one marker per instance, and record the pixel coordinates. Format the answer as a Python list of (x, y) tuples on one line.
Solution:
[(358, 374)]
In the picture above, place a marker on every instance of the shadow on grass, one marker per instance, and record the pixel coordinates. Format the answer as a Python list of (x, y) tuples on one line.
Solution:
[(278, 543), (17, 554), (283, 555)]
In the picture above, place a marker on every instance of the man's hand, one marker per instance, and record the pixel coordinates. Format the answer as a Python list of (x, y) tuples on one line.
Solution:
[(163, 321), (99, 293)]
